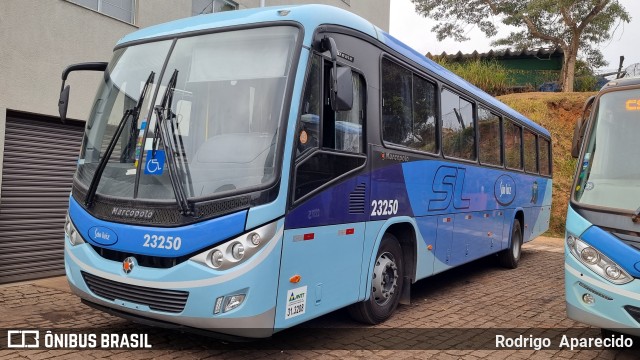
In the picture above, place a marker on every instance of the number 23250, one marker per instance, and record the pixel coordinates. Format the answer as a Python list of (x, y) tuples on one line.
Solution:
[(384, 207), (162, 242)]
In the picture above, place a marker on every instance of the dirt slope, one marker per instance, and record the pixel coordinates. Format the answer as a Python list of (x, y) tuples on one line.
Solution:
[(558, 113)]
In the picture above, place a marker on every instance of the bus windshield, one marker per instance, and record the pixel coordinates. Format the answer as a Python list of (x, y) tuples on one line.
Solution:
[(223, 114), (610, 169)]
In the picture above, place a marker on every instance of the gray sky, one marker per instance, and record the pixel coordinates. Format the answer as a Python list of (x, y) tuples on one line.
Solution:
[(415, 31)]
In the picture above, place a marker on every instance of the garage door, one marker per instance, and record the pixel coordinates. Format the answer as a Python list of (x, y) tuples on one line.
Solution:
[(39, 161)]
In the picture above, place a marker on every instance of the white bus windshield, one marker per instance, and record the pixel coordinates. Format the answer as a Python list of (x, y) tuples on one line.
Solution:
[(223, 116), (610, 170)]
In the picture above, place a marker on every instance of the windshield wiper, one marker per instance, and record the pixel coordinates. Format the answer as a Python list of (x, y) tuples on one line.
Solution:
[(133, 113), (161, 132)]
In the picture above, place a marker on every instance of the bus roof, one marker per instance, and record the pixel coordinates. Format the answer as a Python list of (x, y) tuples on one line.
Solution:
[(312, 16)]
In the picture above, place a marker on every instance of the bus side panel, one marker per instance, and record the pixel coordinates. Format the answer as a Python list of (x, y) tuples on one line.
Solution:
[(544, 211), (509, 215), (428, 228), (444, 244), (319, 272)]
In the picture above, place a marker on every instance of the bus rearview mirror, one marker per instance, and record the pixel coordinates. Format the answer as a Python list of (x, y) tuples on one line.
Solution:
[(342, 98), (579, 130), (63, 103), (577, 139)]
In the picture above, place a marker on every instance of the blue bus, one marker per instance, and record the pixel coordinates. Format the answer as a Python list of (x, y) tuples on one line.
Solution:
[(602, 250), (246, 171)]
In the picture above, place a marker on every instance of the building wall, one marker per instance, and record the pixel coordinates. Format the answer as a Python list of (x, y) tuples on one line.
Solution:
[(40, 38), (376, 11)]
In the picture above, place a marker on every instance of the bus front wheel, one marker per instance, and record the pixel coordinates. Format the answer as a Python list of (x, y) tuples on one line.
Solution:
[(510, 257), (386, 284)]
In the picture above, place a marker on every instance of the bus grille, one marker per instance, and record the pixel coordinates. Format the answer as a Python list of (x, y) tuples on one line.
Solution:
[(356, 199), (172, 301)]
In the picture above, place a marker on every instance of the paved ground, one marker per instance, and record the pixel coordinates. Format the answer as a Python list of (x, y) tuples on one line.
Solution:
[(476, 296)]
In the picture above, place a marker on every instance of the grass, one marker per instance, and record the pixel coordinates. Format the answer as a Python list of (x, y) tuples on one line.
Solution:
[(489, 76)]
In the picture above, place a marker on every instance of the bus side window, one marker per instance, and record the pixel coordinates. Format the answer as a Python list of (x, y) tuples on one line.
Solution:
[(308, 134), (408, 108), (512, 145), (348, 128), (530, 152), (544, 147), (458, 131), (489, 137)]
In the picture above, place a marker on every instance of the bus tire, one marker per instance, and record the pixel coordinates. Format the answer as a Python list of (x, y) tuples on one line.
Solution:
[(386, 284), (510, 257)]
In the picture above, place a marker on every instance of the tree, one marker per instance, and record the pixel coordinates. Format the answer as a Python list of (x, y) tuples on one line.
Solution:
[(573, 25)]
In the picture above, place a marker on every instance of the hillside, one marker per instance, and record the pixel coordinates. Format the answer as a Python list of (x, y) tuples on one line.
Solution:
[(558, 113)]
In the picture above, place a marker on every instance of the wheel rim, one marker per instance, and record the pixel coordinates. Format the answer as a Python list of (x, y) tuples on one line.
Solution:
[(385, 279)]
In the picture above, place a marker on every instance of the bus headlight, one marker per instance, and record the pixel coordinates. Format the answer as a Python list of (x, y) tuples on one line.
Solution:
[(237, 250), (597, 261), (71, 231)]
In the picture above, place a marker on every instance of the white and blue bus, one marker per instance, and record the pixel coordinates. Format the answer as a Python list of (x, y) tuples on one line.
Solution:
[(246, 171), (602, 250)]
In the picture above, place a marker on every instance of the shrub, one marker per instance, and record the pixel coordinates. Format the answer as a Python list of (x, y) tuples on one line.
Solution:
[(489, 76)]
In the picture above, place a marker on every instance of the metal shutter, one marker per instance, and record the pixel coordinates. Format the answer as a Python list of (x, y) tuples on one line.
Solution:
[(39, 161)]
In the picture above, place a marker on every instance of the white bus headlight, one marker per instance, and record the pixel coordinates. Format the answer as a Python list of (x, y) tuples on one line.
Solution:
[(597, 261), (71, 231), (237, 250)]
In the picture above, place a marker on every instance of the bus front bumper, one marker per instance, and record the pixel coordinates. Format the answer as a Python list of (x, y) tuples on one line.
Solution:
[(148, 295), (610, 306)]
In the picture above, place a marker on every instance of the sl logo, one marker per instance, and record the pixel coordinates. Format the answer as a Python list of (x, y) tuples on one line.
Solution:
[(447, 187)]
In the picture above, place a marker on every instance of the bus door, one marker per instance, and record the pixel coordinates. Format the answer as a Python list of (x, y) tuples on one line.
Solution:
[(322, 254)]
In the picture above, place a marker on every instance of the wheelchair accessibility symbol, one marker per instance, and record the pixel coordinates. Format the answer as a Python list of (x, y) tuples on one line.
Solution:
[(154, 165)]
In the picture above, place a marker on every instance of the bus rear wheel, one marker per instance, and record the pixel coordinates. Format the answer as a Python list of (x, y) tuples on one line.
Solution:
[(510, 257), (386, 284)]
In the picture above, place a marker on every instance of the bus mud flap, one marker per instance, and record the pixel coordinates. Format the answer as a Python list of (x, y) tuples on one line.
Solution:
[(405, 296)]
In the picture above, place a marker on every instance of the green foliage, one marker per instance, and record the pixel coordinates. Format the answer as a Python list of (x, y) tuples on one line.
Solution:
[(489, 76), (585, 77), (573, 25)]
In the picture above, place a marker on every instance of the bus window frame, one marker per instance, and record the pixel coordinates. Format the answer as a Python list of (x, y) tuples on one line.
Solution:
[(296, 162), (543, 140), (479, 139), (524, 164), (474, 111), (438, 119), (504, 146)]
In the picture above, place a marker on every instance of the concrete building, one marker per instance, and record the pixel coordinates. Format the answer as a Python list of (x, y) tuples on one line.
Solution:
[(37, 152)]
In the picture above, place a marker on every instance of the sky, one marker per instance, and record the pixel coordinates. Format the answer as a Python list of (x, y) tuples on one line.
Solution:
[(415, 31)]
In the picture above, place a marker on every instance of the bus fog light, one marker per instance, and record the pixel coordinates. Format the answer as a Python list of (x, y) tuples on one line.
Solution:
[(233, 301), (237, 251), (588, 299), (590, 255), (216, 258), (255, 239), (612, 272), (218, 307)]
